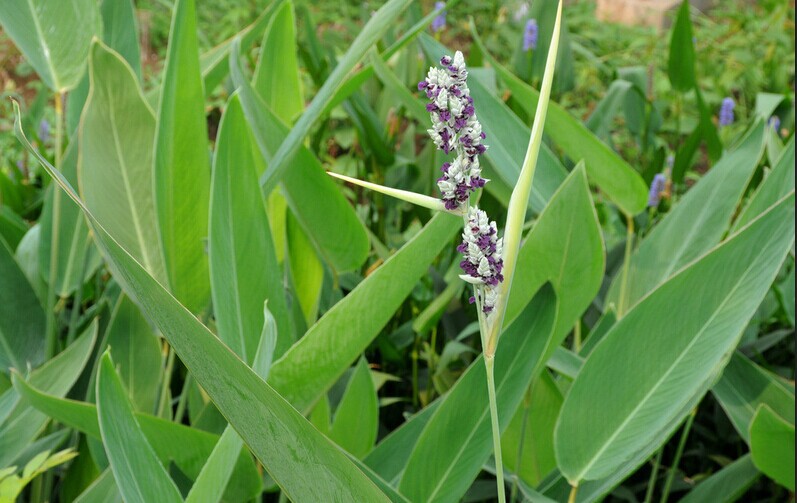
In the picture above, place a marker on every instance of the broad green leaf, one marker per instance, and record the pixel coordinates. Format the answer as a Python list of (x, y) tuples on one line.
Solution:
[(398, 90), (276, 77), (243, 265), (777, 184), (370, 34), (766, 103), (215, 475), (313, 197), (527, 443), (745, 386), (188, 448), (356, 420), (565, 248), (457, 440), (696, 224), (281, 438), (330, 346), (12, 227), (27, 256), (727, 485), (182, 164), (22, 422), (673, 345), (53, 36), (21, 344), (116, 138), (681, 64), (307, 270), (615, 177), (102, 490), (63, 226), (139, 474), (137, 353), (772, 446)]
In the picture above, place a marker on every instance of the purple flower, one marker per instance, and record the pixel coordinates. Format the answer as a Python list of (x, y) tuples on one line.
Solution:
[(44, 130), (482, 261), (774, 123), (726, 112), (455, 128), (657, 186), (439, 22), (530, 35)]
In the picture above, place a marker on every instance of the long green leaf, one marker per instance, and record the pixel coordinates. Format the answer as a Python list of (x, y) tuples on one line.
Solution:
[(115, 164), (370, 34), (672, 346), (102, 490), (21, 344), (305, 464), (727, 485), (314, 363), (182, 164), (745, 386), (457, 440), (696, 224), (357, 417), (313, 197), (53, 36), (772, 446), (139, 474), (243, 265), (615, 177), (681, 63), (188, 448), (57, 376)]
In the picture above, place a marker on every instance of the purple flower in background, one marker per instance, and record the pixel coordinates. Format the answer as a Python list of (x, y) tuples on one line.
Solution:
[(726, 112), (455, 128), (44, 130), (530, 35), (482, 262), (521, 12), (657, 186), (439, 22), (774, 123)]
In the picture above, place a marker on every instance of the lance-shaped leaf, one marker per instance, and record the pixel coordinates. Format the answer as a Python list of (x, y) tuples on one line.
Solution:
[(53, 36), (182, 164), (457, 440), (139, 474), (772, 446), (516, 212), (672, 346), (116, 136), (243, 265), (306, 465), (694, 226), (421, 200), (727, 485), (21, 344), (357, 417)]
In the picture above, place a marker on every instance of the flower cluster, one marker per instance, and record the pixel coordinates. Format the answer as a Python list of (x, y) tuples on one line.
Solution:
[(455, 128), (439, 22), (482, 262), (530, 35), (657, 187), (726, 112)]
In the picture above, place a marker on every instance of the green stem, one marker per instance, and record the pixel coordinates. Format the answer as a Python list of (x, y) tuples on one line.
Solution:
[(629, 242), (51, 328), (678, 453), (573, 494), (577, 337), (489, 363), (165, 383), (181, 403), (654, 475), (521, 444), (78, 299)]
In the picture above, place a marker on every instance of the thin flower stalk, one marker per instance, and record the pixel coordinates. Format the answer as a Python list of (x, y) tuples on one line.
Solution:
[(488, 261)]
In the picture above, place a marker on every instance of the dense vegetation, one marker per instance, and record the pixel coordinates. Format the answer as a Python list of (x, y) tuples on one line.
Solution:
[(163, 195)]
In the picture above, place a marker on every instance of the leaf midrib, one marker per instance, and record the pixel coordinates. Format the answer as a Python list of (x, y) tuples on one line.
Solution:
[(45, 46)]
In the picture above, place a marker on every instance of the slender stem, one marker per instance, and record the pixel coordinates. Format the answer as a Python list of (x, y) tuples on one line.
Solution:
[(577, 337), (167, 380), (654, 475), (414, 356), (74, 315), (521, 445), (629, 243), (665, 494), (489, 363), (573, 494), (51, 328), (181, 403)]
